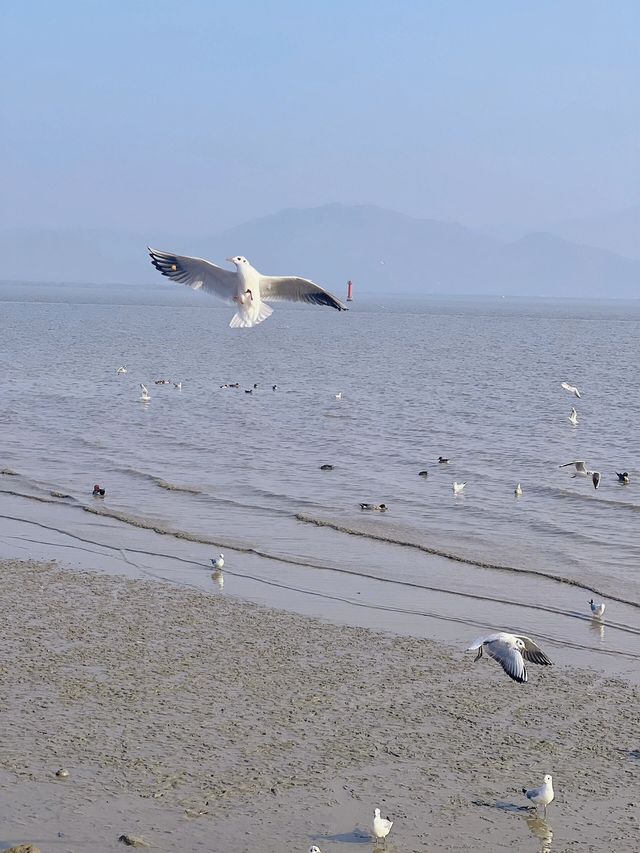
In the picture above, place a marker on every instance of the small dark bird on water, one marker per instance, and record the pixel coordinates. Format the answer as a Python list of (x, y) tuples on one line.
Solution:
[(98, 491), (274, 387), (595, 477), (248, 390), (423, 473), (442, 460), (623, 478), (255, 384), (326, 467)]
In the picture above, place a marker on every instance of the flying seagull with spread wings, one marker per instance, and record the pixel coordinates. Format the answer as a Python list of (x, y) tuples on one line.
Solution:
[(511, 651), (248, 288)]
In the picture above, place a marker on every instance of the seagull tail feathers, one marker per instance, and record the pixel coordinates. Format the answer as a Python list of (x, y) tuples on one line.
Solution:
[(243, 321)]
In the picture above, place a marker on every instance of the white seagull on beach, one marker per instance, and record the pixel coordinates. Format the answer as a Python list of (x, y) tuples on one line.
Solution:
[(581, 468), (573, 417), (381, 826), (458, 488), (571, 389), (144, 396), (543, 795), (511, 651), (246, 286), (597, 608), (218, 562)]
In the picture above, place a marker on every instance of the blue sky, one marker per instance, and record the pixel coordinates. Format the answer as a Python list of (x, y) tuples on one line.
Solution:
[(195, 116)]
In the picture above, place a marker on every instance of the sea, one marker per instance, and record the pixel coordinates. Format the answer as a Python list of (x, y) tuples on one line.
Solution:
[(204, 468)]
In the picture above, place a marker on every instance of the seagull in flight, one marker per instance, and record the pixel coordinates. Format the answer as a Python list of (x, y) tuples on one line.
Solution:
[(458, 488), (511, 651), (580, 466), (144, 396), (623, 478), (245, 287), (571, 389)]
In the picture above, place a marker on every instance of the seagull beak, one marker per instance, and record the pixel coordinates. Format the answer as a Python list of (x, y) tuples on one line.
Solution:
[(229, 259)]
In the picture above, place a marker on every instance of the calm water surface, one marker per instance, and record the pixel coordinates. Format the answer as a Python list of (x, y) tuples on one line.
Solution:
[(475, 381)]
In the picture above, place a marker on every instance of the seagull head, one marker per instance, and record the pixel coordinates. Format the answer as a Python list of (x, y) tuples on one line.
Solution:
[(238, 260), (547, 779)]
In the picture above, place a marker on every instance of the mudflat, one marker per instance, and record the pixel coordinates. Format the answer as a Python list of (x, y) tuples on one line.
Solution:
[(198, 722)]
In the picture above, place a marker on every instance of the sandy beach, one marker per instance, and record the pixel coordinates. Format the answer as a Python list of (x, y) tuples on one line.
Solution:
[(202, 723)]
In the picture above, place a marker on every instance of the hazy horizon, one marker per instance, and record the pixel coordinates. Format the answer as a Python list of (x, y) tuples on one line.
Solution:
[(199, 116)]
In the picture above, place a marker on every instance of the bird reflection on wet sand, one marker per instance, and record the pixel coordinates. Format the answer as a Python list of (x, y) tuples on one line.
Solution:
[(540, 829)]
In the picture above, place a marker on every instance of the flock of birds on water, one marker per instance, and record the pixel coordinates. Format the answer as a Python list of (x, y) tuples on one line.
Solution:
[(249, 290)]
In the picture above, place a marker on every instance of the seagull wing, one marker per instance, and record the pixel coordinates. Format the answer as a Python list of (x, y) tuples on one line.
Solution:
[(294, 289), (196, 273), (509, 659), (566, 386), (145, 390), (532, 652), (579, 465)]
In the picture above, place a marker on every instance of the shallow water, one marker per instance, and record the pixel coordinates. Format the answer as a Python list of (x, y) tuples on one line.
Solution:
[(476, 381)]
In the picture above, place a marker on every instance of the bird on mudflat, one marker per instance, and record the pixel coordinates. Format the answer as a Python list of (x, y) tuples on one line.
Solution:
[(543, 795), (381, 826), (597, 608), (246, 287), (511, 651)]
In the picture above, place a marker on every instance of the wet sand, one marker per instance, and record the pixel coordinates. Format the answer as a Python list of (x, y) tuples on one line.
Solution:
[(203, 723)]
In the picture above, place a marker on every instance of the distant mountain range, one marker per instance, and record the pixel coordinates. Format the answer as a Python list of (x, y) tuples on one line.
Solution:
[(381, 250)]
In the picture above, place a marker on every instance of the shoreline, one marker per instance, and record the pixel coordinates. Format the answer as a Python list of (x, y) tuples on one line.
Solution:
[(205, 722)]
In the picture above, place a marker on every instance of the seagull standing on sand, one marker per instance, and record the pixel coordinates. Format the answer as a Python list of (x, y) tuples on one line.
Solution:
[(144, 396), (458, 488), (573, 417), (571, 389), (381, 826), (246, 286), (218, 562), (597, 608), (543, 795), (511, 651)]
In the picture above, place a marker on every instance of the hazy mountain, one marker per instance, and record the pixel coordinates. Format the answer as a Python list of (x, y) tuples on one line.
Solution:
[(618, 232), (381, 250)]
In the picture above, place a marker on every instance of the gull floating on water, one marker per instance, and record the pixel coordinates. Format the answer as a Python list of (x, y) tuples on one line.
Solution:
[(458, 488), (218, 562), (121, 370), (571, 389), (178, 385), (145, 396), (543, 795), (597, 608), (246, 286), (580, 466), (623, 478), (518, 490), (573, 417), (338, 396), (381, 826), (374, 507), (595, 479), (511, 651)]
